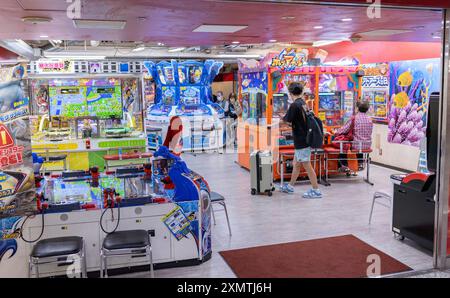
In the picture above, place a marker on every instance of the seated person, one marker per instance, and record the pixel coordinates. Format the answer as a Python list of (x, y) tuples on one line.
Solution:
[(362, 127)]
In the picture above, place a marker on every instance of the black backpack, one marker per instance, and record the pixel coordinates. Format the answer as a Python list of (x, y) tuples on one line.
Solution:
[(314, 130)]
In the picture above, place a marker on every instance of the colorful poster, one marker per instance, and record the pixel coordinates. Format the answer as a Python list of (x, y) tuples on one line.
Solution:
[(40, 97), (177, 222), (375, 89), (411, 84), (130, 95), (17, 196)]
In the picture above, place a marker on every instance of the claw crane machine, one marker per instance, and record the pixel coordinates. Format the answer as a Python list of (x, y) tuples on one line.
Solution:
[(331, 91)]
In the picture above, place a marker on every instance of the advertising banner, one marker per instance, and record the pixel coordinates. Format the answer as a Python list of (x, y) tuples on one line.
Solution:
[(411, 84), (17, 193), (375, 89), (55, 67)]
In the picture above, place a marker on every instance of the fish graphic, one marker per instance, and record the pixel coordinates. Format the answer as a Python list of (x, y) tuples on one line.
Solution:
[(401, 100), (405, 79)]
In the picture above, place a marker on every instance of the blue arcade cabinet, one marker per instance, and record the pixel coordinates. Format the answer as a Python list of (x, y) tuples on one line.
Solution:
[(184, 89)]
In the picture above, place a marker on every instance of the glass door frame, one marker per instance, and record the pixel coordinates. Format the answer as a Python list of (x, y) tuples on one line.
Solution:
[(440, 258)]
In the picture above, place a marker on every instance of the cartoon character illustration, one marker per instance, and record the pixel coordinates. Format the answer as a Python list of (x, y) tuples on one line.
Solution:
[(9, 93)]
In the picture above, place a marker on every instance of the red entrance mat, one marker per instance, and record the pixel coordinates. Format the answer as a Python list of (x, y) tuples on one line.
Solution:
[(334, 257)]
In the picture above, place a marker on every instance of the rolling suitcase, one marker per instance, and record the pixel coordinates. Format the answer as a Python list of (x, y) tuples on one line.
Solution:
[(261, 172)]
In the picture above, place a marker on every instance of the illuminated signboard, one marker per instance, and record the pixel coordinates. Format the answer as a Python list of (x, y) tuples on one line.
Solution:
[(289, 59), (55, 66)]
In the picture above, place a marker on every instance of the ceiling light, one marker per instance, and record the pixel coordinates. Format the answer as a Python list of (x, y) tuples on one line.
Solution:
[(43, 36), (273, 40), (160, 44), (174, 50), (235, 42), (36, 20), (436, 37), (322, 43), (139, 48), (318, 27), (219, 28), (94, 43), (347, 20), (99, 24)]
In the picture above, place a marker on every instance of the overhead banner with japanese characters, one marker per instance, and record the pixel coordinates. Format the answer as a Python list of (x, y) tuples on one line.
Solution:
[(55, 67), (17, 193)]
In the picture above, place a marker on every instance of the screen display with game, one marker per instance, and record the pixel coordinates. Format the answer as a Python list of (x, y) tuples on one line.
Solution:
[(68, 101), (330, 108), (280, 105), (72, 191), (104, 102), (190, 95), (81, 98)]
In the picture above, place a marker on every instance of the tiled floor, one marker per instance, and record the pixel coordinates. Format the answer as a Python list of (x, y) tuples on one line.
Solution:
[(262, 220)]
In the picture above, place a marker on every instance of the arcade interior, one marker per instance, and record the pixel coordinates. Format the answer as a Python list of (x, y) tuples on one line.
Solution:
[(117, 157)]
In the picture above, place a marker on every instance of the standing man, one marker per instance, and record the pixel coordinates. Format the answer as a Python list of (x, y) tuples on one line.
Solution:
[(296, 116)]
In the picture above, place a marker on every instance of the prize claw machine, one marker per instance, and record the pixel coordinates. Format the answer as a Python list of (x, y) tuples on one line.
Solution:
[(183, 89)]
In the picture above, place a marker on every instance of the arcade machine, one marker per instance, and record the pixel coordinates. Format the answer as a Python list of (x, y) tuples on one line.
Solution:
[(84, 119), (330, 91), (184, 89), (414, 194), (164, 197)]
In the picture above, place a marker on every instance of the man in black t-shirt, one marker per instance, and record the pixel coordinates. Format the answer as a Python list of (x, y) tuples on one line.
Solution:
[(296, 116)]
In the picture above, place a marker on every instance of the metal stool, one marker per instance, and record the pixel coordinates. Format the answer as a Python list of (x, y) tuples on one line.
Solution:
[(376, 196), (57, 250), (125, 243), (217, 198)]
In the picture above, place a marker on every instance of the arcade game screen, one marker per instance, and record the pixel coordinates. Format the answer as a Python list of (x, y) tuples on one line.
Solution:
[(71, 191), (168, 95), (104, 102), (112, 182), (68, 102), (161, 167), (280, 105), (258, 106), (330, 108), (190, 95)]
